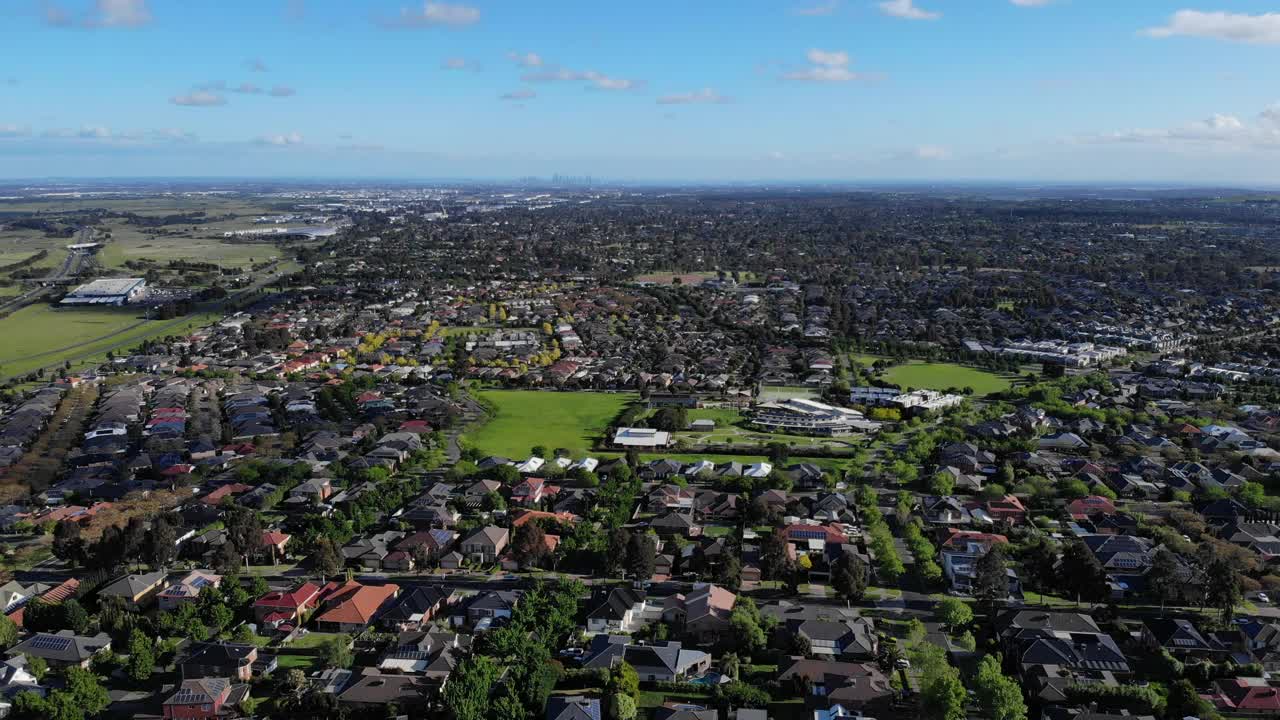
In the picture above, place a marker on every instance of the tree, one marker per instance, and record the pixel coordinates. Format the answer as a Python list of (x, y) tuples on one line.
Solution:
[(68, 546), (337, 652), (244, 529), (163, 542), (642, 555), (729, 573), (746, 628), (625, 681), (326, 560), (1165, 576), (622, 707), (8, 632), (1081, 572), (730, 665), (774, 559), (85, 691), (142, 660), (991, 576), (999, 694), (529, 544), (37, 667), (616, 556), (849, 577), (942, 483), (944, 697), (954, 613), (1222, 587)]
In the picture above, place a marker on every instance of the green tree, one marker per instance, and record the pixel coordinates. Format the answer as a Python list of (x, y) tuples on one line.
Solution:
[(8, 632), (466, 695), (336, 652), (1165, 576), (942, 483), (991, 577), (999, 694), (37, 667), (327, 560), (1081, 573), (625, 681), (849, 577), (622, 707), (747, 627), (954, 613), (142, 660), (642, 554)]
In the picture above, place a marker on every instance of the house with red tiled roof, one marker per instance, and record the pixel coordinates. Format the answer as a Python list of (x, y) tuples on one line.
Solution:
[(273, 544), (1254, 696), (352, 607), (1089, 506), (802, 533), (279, 606), (54, 596), (532, 491), (219, 494), (1007, 509)]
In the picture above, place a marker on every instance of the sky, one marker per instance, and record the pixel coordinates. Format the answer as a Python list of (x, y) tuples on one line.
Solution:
[(1039, 91)]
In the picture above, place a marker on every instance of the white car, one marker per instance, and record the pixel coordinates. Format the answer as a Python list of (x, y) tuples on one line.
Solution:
[(1262, 598)]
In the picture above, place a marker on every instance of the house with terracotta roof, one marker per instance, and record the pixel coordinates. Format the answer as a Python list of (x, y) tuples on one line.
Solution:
[(1087, 507), (802, 533), (279, 607), (273, 544), (204, 698), (219, 494), (352, 607), (54, 596), (703, 613)]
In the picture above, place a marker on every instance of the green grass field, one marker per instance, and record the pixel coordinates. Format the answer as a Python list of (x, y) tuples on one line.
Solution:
[(526, 418), (940, 376), (42, 336)]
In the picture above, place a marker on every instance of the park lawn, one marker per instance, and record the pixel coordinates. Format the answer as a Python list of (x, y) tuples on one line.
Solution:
[(129, 243), (941, 376), (525, 418)]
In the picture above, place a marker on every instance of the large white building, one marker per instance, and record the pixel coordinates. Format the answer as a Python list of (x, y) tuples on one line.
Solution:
[(112, 291), (809, 417), (641, 438)]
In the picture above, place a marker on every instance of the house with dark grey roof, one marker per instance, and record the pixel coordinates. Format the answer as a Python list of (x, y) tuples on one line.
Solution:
[(62, 649), (573, 707), (137, 591), (219, 660), (204, 698), (850, 639), (618, 609)]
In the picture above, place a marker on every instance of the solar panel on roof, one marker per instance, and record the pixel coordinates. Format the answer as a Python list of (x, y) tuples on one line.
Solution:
[(51, 642)]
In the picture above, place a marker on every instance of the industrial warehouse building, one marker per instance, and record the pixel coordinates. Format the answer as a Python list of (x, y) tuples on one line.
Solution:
[(113, 291)]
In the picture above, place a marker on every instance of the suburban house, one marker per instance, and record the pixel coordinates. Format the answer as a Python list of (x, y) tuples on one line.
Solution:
[(219, 660), (187, 589), (960, 553), (703, 613), (853, 639), (659, 662), (136, 591), (352, 607), (486, 544), (204, 698), (279, 607), (616, 610), (62, 649)]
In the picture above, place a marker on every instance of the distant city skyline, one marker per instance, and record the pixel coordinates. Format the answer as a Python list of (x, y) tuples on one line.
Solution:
[(758, 90)]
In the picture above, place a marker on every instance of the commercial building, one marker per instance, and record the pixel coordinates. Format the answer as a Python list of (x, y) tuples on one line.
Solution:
[(113, 291), (809, 417)]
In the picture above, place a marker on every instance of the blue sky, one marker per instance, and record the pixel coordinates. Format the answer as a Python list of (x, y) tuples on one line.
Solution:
[(1042, 90)]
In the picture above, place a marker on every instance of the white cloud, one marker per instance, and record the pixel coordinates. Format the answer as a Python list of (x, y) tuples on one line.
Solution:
[(256, 65), (522, 94), (526, 60), (103, 14), (827, 8), (292, 138), (247, 89), (931, 152), (907, 10), (119, 13), (1263, 29), (282, 91), (827, 66), (595, 80), (94, 132), (1221, 131), (436, 14), (705, 95), (457, 63), (199, 98), (11, 130), (1030, 3)]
